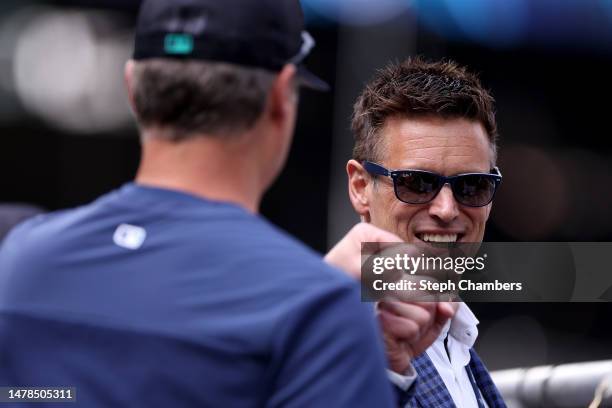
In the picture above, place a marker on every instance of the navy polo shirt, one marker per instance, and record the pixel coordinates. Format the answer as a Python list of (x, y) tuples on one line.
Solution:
[(156, 298)]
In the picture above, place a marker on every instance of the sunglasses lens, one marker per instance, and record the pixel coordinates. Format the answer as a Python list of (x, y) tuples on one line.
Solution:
[(474, 190), (416, 187)]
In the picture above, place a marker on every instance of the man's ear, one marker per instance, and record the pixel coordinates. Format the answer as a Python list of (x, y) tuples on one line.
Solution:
[(283, 95), (358, 185), (128, 77)]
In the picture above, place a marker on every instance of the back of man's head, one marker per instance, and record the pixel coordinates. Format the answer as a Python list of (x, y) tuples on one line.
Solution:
[(207, 66), (187, 98), (418, 88)]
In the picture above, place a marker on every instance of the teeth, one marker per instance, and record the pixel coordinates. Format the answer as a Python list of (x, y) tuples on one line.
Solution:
[(439, 238)]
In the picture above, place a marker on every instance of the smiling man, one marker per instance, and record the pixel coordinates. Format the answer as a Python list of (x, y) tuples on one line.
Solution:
[(423, 168)]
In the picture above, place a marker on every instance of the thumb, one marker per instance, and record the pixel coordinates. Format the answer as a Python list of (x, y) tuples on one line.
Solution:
[(373, 235), (446, 310)]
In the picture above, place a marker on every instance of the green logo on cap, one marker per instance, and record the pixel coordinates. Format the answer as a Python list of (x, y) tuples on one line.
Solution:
[(178, 44)]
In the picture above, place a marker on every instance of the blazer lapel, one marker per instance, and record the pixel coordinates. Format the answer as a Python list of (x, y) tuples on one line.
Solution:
[(485, 383), (430, 390)]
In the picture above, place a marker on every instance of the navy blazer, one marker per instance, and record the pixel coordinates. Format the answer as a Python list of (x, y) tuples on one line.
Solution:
[(429, 390)]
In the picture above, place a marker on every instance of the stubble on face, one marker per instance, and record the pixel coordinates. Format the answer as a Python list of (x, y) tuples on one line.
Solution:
[(444, 146)]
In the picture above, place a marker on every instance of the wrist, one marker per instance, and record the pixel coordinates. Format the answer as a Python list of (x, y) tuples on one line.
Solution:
[(399, 366)]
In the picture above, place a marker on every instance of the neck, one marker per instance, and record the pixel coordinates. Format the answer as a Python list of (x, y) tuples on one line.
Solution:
[(207, 167)]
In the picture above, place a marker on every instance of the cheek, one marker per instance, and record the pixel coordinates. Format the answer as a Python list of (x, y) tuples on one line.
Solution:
[(383, 206), (404, 213), (478, 217), (400, 216)]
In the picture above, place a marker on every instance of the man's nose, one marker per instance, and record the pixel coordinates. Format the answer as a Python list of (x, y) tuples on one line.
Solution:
[(444, 206)]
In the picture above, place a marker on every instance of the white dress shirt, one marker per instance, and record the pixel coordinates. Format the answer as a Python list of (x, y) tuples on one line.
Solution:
[(462, 333)]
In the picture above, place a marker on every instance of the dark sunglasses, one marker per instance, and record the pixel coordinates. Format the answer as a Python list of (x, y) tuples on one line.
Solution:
[(420, 187)]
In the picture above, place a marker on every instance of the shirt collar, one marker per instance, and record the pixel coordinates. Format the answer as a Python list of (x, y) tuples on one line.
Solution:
[(462, 327)]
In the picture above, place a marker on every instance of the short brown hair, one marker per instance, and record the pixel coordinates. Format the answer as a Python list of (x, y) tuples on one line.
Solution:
[(193, 97), (419, 88)]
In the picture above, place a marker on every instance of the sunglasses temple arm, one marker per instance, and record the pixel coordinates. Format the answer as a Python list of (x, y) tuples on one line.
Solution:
[(376, 169)]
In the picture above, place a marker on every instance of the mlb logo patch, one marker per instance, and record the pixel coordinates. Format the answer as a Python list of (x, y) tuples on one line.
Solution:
[(129, 236)]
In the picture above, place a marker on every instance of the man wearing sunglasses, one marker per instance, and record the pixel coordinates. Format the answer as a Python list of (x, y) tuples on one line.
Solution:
[(424, 169)]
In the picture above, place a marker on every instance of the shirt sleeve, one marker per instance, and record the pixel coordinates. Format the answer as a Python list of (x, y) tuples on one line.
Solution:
[(405, 381), (329, 353)]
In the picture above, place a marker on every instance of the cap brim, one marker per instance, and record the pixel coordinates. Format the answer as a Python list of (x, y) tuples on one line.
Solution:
[(310, 80)]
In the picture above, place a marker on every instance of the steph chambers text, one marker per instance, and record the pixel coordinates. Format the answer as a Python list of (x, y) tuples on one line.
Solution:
[(446, 286)]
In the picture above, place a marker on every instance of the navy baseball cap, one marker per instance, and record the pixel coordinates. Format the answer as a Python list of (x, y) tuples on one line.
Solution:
[(256, 33)]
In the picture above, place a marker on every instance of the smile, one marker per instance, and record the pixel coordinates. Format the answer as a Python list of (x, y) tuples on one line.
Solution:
[(428, 237)]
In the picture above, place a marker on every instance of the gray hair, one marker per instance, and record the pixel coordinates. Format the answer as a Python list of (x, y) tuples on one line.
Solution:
[(190, 97)]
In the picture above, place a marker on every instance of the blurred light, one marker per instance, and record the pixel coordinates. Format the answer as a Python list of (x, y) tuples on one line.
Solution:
[(506, 23), (503, 343), (607, 7), (69, 74), (11, 27), (355, 12), (493, 22), (589, 177), (532, 202), (566, 194), (436, 16)]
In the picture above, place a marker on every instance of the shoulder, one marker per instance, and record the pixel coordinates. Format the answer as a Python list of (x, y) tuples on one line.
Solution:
[(29, 241), (277, 247), (32, 228), (254, 244), (55, 231)]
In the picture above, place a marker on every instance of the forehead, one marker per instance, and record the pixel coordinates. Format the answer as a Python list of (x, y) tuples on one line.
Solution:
[(446, 146)]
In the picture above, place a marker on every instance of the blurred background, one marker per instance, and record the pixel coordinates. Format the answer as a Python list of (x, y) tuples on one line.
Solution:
[(67, 136)]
